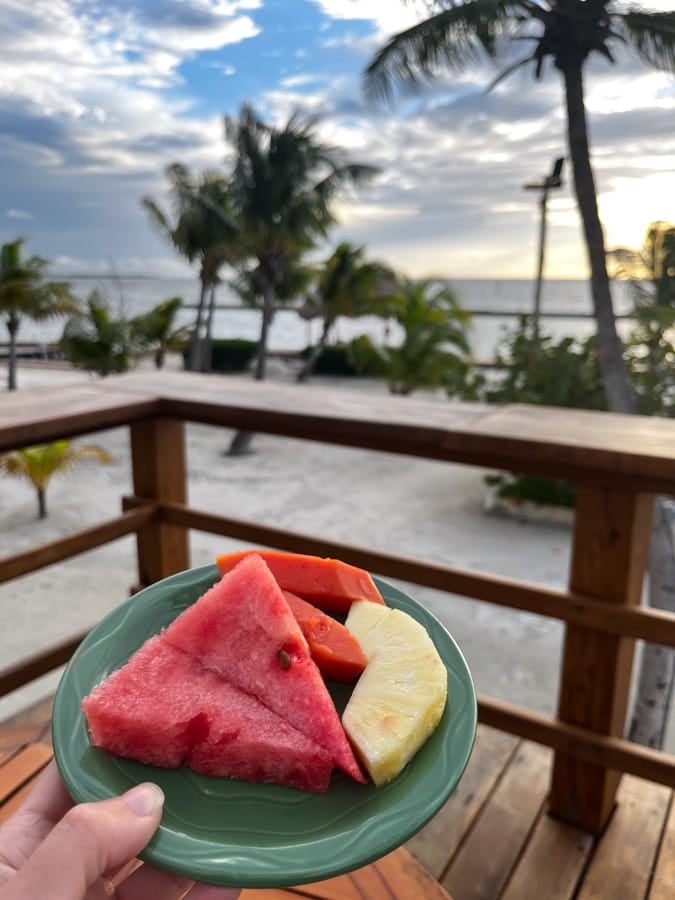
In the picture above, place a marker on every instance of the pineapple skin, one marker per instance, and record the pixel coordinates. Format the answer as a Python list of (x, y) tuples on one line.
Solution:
[(399, 699)]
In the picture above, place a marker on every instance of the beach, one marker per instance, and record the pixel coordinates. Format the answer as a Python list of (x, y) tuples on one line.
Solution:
[(395, 503)]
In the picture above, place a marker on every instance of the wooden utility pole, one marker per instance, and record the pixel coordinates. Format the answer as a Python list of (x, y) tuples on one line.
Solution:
[(554, 180)]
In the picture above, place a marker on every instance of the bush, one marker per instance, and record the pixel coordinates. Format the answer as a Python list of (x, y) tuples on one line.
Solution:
[(229, 355), (334, 359), (539, 371)]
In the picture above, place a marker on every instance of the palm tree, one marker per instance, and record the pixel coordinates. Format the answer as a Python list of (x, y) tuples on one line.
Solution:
[(25, 294), (435, 344), (282, 183), (203, 230), (38, 464), (347, 285), (568, 33), (97, 341), (157, 329)]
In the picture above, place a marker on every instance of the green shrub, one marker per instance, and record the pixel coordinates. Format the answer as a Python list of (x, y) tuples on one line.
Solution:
[(229, 354), (545, 491), (334, 359), (544, 372)]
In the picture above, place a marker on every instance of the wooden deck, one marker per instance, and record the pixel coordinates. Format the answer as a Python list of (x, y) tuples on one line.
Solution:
[(493, 840)]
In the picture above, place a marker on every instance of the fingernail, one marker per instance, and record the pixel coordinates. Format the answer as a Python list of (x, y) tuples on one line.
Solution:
[(144, 799)]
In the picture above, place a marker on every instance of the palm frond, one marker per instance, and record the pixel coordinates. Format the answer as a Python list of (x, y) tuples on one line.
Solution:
[(650, 34), (462, 34)]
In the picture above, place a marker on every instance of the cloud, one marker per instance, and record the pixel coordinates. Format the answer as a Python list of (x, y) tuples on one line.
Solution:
[(97, 97), (18, 214)]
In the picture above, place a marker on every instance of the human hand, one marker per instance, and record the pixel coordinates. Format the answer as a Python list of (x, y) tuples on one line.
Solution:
[(52, 848)]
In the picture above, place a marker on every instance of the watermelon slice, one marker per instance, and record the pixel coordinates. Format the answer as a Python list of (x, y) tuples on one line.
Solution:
[(330, 584), (164, 709), (243, 629), (146, 710)]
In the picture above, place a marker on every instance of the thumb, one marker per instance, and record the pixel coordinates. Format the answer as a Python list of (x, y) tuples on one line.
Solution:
[(91, 839)]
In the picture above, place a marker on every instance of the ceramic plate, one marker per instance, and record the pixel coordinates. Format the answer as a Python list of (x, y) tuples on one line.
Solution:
[(233, 833)]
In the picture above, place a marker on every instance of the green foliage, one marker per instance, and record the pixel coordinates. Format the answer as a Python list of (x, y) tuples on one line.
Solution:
[(99, 342), (230, 355), (38, 464), (544, 491), (156, 330), (650, 351), (434, 351), (24, 293), (335, 359), (539, 370)]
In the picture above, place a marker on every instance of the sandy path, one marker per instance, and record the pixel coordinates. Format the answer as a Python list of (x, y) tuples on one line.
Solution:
[(391, 502)]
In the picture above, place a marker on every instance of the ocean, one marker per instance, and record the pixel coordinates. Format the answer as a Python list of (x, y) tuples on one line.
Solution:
[(494, 304)]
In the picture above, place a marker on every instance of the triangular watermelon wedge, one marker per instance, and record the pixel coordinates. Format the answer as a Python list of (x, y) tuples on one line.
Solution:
[(164, 709), (243, 629)]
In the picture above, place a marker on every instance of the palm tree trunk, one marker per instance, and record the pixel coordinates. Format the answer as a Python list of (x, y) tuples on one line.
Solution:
[(268, 309), (241, 442), (620, 396), (195, 355), (206, 349), (42, 503), (308, 368), (12, 327)]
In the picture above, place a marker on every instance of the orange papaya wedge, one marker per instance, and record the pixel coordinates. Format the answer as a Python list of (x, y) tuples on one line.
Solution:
[(330, 584), (333, 647)]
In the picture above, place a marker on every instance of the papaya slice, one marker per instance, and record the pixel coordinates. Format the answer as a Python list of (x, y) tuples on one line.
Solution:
[(330, 584), (333, 648)]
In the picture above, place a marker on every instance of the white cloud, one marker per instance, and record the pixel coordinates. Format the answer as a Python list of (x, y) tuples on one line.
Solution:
[(389, 16), (18, 214)]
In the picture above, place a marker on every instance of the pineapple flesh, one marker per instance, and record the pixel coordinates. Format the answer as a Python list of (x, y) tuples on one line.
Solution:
[(399, 698)]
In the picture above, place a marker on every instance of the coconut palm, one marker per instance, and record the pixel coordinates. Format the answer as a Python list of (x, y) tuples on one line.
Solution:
[(38, 464), (435, 345), (98, 341), (24, 293), (347, 285), (157, 329), (202, 228), (283, 182), (567, 33)]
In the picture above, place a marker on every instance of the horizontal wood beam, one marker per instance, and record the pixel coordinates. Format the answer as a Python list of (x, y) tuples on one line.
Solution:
[(78, 542), (27, 670), (651, 625), (607, 752)]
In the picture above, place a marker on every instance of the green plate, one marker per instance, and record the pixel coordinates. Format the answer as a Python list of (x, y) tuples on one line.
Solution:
[(247, 835)]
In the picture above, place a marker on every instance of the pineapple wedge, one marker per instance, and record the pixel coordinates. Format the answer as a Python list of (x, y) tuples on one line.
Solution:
[(400, 696)]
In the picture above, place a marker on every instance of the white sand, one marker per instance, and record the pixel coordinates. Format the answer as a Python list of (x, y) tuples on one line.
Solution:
[(396, 503)]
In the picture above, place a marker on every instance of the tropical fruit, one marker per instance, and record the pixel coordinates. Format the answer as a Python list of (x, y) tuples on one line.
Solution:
[(334, 649), (330, 584), (164, 708), (146, 710), (399, 699), (243, 629)]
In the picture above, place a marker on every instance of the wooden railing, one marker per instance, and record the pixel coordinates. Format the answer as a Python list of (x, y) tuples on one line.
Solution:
[(618, 463)]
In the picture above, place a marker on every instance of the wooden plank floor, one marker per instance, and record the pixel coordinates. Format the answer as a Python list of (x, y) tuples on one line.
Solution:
[(493, 840)]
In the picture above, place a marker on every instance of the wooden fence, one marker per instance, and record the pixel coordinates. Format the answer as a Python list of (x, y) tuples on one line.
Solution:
[(617, 462)]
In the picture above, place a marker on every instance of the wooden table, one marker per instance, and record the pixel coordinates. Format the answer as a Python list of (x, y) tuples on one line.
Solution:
[(25, 749)]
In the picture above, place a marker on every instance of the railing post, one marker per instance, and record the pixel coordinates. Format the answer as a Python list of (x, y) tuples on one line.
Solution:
[(159, 473), (610, 551)]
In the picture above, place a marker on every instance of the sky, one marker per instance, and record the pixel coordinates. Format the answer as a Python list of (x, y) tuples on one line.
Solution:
[(98, 97)]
